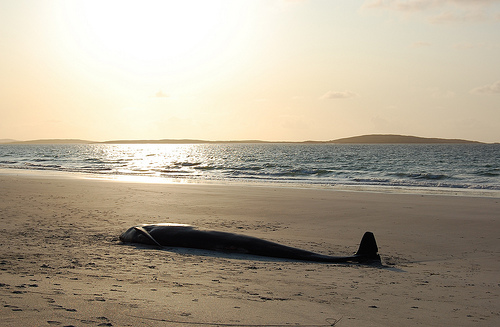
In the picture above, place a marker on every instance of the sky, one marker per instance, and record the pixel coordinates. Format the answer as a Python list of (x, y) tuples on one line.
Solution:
[(272, 70)]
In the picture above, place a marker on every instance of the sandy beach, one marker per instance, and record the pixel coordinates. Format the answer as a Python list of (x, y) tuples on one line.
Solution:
[(61, 263)]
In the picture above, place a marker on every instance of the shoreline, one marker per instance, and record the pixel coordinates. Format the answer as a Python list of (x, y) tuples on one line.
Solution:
[(61, 261), (439, 191)]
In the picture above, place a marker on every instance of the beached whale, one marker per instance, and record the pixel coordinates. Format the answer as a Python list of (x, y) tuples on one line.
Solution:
[(180, 235)]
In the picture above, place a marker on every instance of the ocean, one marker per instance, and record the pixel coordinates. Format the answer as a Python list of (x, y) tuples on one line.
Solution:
[(436, 168)]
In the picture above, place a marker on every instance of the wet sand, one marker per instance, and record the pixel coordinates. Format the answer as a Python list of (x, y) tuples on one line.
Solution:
[(61, 263)]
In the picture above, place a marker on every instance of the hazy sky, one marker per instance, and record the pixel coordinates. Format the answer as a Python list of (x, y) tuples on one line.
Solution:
[(249, 69)]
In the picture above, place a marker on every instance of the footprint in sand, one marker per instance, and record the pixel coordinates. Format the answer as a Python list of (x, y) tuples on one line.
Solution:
[(12, 307)]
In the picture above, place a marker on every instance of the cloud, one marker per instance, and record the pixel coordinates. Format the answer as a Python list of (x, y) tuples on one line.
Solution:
[(338, 95), (399, 5), (477, 45), (487, 89), (439, 11), (468, 45), (460, 17), (160, 94), (293, 122), (421, 5), (420, 44), (442, 94)]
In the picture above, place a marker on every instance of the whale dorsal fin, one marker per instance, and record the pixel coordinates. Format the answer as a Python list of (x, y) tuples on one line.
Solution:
[(368, 247)]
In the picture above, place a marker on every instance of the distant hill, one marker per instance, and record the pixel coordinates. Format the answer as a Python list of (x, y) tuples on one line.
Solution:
[(363, 139), (54, 141), (397, 139), (2, 141), (181, 141)]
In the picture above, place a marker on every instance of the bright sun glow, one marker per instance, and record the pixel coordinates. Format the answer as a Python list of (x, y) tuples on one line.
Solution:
[(277, 70), (150, 34)]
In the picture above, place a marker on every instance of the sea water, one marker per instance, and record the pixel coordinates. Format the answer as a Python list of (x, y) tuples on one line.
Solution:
[(440, 167)]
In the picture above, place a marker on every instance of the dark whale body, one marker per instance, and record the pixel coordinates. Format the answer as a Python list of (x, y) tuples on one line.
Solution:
[(179, 235)]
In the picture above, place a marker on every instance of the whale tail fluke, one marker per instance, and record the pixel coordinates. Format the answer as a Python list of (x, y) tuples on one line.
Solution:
[(368, 249)]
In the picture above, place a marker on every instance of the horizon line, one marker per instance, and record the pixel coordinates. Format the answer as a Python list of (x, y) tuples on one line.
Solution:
[(361, 139)]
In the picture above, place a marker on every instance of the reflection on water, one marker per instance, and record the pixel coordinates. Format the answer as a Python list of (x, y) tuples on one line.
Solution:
[(439, 166)]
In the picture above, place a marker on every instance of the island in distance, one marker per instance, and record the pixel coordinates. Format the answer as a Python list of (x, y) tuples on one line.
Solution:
[(363, 139), (397, 139)]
